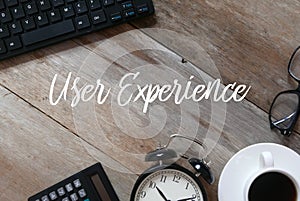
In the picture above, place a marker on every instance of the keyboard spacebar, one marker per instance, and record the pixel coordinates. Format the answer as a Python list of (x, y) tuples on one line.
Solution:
[(48, 32)]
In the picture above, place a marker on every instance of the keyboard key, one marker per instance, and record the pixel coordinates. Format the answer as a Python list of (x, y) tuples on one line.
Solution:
[(2, 47), (94, 4), (17, 12), (15, 27), (142, 9), (4, 32), (116, 17), (57, 3), (98, 17), (66, 199), (54, 15), (30, 8), (129, 13), (68, 11), (127, 5), (81, 7), (42, 19), (48, 32), (28, 23), (108, 2), (44, 4), (82, 22), (11, 2), (13, 43), (5, 16)]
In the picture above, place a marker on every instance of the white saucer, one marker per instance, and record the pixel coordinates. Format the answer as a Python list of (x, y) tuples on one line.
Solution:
[(246, 162)]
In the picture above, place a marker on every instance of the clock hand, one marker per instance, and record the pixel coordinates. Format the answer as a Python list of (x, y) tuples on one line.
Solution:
[(186, 199), (162, 194)]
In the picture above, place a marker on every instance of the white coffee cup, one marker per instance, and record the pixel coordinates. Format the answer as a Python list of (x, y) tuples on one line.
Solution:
[(266, 166), (255, 163)]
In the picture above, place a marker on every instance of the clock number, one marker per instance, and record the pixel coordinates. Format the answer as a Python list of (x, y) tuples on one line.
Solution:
[(176, 178), (163, 178), (143, 194), (152, 185), (187, 186)]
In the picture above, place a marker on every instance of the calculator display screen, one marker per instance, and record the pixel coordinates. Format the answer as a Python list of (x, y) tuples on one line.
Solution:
[(100, 188)]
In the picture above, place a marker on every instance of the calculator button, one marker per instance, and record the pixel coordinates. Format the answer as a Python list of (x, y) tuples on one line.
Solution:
[(82, 193), (61, 191), (53, 195), (45, 198), (77, 183), (65, 199), (69, 187), (74, 197)]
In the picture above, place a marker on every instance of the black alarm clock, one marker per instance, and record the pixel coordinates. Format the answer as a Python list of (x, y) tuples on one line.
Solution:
[(172, 182)]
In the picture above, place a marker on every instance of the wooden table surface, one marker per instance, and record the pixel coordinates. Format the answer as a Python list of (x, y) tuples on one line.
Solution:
[(249, 42)]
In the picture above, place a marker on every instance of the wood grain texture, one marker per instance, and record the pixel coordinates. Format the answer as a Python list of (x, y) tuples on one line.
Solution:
[(114, 133), (36, 152), (250, 41)]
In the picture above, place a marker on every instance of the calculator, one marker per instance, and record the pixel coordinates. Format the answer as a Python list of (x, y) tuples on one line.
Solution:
[(90, 184)]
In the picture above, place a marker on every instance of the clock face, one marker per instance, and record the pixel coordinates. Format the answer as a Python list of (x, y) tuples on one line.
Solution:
[(169, 185)]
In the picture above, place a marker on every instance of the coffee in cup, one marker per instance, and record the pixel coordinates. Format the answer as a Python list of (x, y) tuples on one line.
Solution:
[(273, 186), (270, 183)]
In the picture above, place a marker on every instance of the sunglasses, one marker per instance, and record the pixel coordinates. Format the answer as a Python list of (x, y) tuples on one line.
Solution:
[(285, 107)]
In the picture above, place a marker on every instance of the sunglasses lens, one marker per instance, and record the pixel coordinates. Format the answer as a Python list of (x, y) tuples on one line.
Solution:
[(295, 65), (284, 110)]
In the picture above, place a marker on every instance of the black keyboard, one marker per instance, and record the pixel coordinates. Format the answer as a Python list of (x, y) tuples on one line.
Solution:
[(31, 24)]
